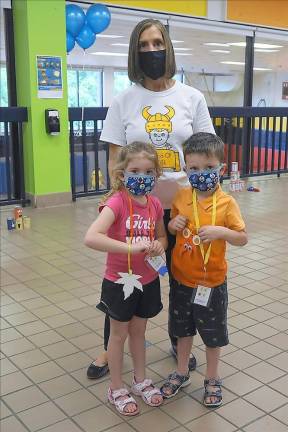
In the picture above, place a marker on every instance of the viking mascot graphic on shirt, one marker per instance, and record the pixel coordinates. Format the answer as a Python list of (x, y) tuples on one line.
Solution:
[(159, 126)]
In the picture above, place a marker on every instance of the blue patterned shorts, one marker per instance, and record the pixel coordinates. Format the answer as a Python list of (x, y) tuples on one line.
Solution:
[(186, 318)]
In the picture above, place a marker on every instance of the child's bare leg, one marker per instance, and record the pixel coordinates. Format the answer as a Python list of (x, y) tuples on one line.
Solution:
[(118, 335), (137, 328), (184, 346), (212, 359)]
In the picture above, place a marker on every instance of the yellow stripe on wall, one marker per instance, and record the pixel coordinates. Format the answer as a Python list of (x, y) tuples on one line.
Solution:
[(190, 7)]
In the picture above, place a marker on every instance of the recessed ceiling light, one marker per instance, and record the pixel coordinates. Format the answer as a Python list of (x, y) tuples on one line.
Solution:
[(268, 46), (183, 54), (183, 49), (237, 44), (242, 64), (120, 44), (176, 41), (233, 63), (261, 69), (220, 51), (216, 44), (106, 53), (266, 50), (256, 45), (108, 36)]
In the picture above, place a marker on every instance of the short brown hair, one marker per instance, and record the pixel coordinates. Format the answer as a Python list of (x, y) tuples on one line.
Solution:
[(134, 71), (204, 143)]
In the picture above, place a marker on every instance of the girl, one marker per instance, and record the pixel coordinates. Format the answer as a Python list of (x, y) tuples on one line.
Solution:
[(130, 228)]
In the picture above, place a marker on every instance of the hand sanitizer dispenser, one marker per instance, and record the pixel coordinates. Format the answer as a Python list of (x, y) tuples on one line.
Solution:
[(52, 121)]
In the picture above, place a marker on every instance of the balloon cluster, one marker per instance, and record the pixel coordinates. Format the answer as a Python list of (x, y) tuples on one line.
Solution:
[(83, 28)]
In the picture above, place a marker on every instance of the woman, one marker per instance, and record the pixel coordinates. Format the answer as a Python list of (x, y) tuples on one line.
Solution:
[(158, 110)]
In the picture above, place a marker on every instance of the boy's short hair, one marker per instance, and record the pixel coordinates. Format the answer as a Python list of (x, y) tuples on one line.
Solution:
[(204, 143)]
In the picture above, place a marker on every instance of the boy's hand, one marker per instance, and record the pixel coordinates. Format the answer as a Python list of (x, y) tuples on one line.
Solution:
[(208, 233), (140, 247), (178, 223), (155, 248)]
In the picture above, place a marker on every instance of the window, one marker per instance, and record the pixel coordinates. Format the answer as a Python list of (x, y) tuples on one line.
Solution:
[(85, 88), (73, 89), (3, 88), (90, 88), (121, 82), (179, 76)]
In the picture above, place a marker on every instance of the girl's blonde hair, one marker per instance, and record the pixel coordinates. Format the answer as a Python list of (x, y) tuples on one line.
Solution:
[(127, 153)]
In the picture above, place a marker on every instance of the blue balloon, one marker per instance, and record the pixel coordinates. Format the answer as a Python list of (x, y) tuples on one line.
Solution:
[(75, 19), (98, 17), (86, 37), (70, 42)]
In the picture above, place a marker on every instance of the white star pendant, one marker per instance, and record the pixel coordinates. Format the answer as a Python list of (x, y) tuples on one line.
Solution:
[(129, 282)]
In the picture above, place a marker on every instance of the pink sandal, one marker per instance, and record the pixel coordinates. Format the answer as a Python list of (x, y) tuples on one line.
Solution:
[(120, 404), (139, 389)]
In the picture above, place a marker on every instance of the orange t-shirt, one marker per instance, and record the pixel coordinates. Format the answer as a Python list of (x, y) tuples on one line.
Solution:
[(187, 261)]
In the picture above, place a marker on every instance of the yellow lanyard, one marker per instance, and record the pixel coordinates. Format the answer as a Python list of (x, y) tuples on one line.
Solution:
[(151, 229), (197, 223)]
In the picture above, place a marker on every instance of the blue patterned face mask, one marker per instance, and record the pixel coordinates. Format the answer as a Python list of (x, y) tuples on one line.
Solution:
[(139, 184), (204, 180)]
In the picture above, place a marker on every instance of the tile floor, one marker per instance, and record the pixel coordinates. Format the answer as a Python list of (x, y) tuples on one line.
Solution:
[(50, 330)]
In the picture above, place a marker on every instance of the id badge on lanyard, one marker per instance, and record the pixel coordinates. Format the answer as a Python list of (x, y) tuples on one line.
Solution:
[(203, 296), (158, 263)]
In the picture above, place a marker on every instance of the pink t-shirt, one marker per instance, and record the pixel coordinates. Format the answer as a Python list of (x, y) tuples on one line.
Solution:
[(120, 230)]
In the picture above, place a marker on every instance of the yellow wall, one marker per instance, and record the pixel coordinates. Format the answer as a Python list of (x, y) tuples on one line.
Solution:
[(271, 13), (190, 7)]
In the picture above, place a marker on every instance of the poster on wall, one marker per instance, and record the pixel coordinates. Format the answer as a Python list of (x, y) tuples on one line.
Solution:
[(49, 77), (285, 90)]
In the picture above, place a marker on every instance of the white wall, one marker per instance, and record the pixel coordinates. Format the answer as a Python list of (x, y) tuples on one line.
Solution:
[(269, 87), (232, 84), (228, 99), (216, 10)]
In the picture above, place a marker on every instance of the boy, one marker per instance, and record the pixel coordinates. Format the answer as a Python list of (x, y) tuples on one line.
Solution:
[(203, 218)]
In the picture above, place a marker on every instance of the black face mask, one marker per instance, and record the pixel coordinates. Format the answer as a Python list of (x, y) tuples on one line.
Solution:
[(153, 63)]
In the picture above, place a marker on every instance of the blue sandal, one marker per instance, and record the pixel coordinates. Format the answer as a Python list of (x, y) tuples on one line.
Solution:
[(215, 393), (170, 389)]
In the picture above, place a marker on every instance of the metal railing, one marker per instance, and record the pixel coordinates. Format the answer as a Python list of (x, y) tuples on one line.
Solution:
[(12, 184), (257, 138), (88, 155)]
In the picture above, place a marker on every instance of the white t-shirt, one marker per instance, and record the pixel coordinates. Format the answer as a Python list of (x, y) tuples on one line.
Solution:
[(166, 119)]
